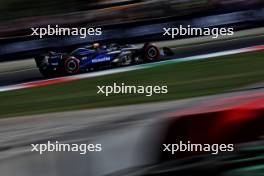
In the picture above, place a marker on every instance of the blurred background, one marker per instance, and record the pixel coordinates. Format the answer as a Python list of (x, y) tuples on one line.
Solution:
[(139, 20), (225, 94), (18, 15)]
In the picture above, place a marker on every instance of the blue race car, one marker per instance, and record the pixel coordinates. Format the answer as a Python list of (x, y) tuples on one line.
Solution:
[(95, 57)]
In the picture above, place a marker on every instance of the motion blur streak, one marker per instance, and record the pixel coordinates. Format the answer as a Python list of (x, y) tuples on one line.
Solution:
[(48, 82), (222, 124), (251, 100)]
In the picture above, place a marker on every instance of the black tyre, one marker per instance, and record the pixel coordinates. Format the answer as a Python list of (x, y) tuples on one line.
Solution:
[(46, 72), (151, 52), (72, 65), (42, 64)]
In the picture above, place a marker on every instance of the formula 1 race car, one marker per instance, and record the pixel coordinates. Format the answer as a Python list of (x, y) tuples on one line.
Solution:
[(94, 57)]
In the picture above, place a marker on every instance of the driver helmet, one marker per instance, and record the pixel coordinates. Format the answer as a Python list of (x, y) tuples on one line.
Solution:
[(96, 45)]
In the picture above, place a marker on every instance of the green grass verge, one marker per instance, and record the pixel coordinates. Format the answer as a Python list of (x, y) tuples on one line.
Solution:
[(189, 79)]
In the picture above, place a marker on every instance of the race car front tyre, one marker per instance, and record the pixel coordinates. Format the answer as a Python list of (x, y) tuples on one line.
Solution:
[(72, 65), (151, 52)]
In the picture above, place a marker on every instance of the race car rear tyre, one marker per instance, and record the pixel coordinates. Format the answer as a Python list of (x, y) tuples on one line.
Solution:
[(72, 65), (151, 52), (46, 72)]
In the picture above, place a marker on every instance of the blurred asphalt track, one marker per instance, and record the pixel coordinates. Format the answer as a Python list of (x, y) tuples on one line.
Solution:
[(16, 72), (128, 135)]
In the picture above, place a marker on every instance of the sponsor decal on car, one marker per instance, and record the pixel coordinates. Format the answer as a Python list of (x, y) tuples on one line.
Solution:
[(101, 59)]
